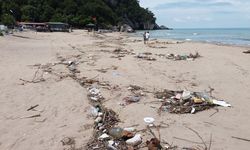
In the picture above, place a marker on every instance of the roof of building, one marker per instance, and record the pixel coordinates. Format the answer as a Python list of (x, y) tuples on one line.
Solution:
[(31, 23), (57, 23)]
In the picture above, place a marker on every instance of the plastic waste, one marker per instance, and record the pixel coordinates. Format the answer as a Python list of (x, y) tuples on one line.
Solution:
[(135, 98), (104, 136), (136, 140), (186, 95), (178, 96), (93, 111), (197, 100), (131, 129), (98, 119), (203, 95), (193, 110), (221, 103), (149, 120), (116, 132), (110, 145)]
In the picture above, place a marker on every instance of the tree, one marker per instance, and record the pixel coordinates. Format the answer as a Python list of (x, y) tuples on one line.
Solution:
[(8, 20), (29, 13), (79, 12)]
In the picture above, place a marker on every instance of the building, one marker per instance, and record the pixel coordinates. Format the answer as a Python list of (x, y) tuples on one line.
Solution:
[(58, 27), (33, 26), (45, 27)]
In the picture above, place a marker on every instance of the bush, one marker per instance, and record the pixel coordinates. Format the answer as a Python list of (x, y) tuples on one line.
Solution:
[(1, 34), (8, 20)]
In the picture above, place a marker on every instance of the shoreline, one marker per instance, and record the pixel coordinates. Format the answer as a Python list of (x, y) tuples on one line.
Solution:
[(199, 41)]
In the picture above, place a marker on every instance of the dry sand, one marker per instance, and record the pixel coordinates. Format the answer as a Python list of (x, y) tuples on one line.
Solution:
[(63, 103)]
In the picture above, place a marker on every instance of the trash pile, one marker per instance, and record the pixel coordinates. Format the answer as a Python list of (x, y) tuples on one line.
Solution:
[(183, 57), (106, 135), (121, 53), (181, 102), (145, 56)]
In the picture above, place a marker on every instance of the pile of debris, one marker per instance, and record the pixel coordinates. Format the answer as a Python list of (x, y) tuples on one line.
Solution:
[(183, 57), (145, 56), (106, 135), (181, 102), (122, 53)]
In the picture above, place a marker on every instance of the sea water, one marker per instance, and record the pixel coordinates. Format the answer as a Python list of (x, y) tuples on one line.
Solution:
[(232, 36)]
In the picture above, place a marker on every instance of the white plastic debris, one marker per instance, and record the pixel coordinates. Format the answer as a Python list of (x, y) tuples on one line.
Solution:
[(70, 63), (193, 110), (110, 145), (104, 136), (111, 142), (94, 98), (186, 95), (100, 114), (149, 120), (221, 103), (98, 119), (94, 91), (131, 129), (93, 111), (136, 140)]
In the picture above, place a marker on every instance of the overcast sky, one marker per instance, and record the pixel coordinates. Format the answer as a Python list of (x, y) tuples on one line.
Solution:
[(200, 13)]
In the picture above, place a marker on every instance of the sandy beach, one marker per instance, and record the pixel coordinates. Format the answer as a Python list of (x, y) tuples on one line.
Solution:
[(62, 107)]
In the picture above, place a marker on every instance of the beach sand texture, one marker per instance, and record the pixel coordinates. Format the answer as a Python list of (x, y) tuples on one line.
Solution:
[(63, 104)]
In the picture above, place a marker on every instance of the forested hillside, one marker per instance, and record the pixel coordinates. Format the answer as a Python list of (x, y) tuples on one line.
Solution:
[(78, 12)]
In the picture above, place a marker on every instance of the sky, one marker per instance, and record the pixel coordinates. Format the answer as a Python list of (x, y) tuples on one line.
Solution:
[(200, 13)]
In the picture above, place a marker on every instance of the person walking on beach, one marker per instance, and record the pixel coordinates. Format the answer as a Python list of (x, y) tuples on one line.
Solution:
[(144, 37), (147, 35)]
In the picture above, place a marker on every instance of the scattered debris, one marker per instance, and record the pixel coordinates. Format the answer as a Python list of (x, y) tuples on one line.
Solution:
[(136, 140), (68, 141), (131, 99), (149, 120), (183, 57), (246, 52), (94, 94), (154, 144), (121, 53), (180, 102), (137, 93), (145, 57), (104, 137)]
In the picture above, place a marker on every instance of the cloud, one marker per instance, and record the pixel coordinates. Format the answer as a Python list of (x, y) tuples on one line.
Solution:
[(192, 19), (200, 13)]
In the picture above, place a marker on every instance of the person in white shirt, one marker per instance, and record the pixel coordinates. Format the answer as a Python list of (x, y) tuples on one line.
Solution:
[(147, 36)]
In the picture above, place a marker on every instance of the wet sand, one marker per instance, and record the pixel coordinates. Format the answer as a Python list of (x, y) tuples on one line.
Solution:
[(63, 104)]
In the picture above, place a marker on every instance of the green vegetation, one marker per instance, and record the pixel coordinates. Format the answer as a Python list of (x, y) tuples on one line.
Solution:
[(76, 12)]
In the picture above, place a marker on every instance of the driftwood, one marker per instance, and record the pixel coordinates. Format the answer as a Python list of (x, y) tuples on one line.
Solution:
[(243, 139), (32, 107), (203, 142), (33, 116)]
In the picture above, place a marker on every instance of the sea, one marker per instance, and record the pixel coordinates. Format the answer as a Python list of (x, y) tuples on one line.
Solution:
[(228, 36)]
